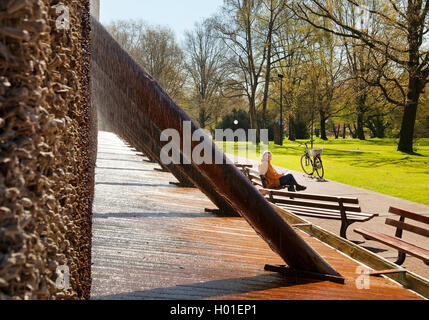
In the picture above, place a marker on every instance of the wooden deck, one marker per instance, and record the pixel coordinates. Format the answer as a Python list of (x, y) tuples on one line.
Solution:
[(154, 241)]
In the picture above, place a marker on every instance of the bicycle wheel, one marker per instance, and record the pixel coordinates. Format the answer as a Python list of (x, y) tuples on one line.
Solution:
[(307, 165), (318, 166)]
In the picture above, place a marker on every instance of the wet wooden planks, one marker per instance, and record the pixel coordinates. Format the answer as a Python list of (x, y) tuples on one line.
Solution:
[(157, 243)]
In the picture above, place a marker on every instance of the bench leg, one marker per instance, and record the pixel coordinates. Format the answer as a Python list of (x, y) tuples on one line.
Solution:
[(344, 226), (344, 221), (401, 259)]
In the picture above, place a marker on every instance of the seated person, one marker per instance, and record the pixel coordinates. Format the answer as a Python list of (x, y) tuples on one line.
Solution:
[(275, 179)]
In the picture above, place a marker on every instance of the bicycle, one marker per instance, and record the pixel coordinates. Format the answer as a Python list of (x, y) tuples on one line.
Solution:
[(315, 164)]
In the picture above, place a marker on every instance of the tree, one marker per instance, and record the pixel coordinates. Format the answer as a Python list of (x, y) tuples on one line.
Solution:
[(236, 26), (398, 47), (154, 48), (207, 66), (326, 76), (272, 22), (289, 57)]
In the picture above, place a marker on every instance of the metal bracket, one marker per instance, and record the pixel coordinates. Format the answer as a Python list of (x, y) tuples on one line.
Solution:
[(285, 270)]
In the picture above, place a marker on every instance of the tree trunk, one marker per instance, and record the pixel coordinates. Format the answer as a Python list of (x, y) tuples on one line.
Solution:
[(292, 136), (336, 130), (406, 137), (416, 84), (372, 127), (353, 132), (267, 78), (253, 117), (202, 118), (377, 127), (360, 126), (323, 135), (344, 131)]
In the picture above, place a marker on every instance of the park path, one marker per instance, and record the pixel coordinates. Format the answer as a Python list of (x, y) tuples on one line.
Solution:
[(371, 202)]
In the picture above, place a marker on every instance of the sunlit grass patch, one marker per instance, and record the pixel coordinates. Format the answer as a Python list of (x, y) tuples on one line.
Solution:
[(373, 164)]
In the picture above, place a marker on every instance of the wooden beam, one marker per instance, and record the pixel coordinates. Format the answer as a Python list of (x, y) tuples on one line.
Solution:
[(145, 106)]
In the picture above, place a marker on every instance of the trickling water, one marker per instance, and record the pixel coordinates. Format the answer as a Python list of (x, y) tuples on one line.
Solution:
[(137, 109)]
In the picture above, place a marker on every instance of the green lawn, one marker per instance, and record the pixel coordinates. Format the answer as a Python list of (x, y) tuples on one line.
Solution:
[(383, 169)]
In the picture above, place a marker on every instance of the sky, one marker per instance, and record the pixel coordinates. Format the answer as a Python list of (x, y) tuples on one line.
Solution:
[(179, 15)]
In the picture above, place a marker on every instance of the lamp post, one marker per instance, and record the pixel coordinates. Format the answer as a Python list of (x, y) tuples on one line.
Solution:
[(281, 108)]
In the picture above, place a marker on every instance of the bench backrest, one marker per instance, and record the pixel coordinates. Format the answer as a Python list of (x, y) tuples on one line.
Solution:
[(312, 200), (402, 226), (252, 175), (243, 166)]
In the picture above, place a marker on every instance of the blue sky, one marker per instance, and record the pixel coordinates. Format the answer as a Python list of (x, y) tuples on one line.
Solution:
[(179, 15)]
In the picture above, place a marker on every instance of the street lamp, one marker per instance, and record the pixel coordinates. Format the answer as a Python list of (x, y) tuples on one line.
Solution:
[(281, 107)]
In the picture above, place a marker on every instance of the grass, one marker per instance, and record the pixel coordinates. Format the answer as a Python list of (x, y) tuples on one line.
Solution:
[(373, 165)]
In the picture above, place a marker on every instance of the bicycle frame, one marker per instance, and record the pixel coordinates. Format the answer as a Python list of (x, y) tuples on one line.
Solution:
[(313, 162)]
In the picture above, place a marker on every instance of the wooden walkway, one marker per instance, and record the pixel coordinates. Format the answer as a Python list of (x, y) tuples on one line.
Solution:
[(154, 241)]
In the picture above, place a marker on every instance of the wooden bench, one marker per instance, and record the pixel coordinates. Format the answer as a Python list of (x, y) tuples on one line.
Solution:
[(396, 242), (254, 177), (243, 166), (320, 206)]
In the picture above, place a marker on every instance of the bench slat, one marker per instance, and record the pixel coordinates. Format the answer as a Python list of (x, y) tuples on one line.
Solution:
[(409, 215), (408, 227), (361, 214), (311, 196), (254, 172), (316, 205), (336, 216), (396, 243), (328, 212), (240, 165), (322, 215), (254, 177), (328, 217)]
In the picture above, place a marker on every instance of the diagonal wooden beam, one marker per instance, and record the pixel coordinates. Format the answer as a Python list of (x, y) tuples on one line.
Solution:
[(151, 103)]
